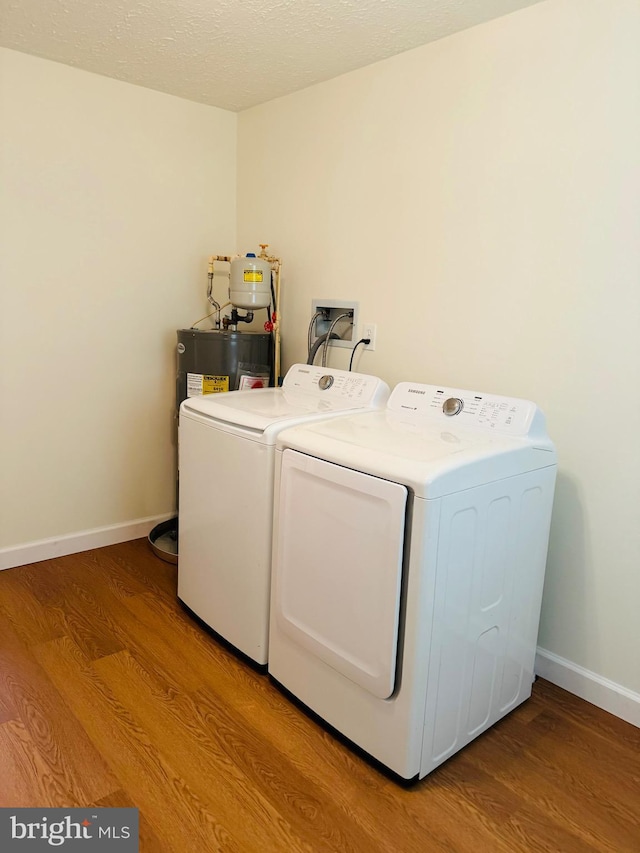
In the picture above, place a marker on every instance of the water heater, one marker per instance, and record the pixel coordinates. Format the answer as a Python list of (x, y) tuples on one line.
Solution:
[(210, 361)]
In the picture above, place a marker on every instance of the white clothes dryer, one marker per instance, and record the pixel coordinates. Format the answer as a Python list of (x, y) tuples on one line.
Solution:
[(408, 564), (226, 464)]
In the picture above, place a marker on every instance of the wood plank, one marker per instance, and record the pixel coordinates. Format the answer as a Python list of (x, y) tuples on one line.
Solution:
[(6, 713), (23, 777), (228, 750), (592, 766), (31, 619), (66, 757), (593, 720), (167, 801), (70, 593), (511, 817), (148, 840), (530, 768)]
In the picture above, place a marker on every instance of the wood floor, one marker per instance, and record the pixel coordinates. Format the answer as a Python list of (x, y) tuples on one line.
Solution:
[(110, 695)]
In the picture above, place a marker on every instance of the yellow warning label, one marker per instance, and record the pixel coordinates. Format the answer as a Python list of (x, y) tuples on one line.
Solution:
[(253, 276), (214, 384)]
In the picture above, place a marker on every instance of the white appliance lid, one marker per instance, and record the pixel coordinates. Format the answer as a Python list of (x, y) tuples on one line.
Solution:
[(432, 453), (307, 391)]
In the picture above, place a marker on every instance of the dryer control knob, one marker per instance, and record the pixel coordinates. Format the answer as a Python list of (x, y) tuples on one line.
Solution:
[(452, 406), (325, 381)]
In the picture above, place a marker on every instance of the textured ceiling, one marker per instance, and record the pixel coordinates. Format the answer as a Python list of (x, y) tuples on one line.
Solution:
[(233, 53)]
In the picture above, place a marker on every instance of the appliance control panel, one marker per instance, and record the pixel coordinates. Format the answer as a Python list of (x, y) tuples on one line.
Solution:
[(336, 385), (455, 407)]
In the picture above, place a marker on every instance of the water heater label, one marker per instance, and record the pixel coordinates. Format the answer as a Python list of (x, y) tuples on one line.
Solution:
[(203, 383), (253, 276)]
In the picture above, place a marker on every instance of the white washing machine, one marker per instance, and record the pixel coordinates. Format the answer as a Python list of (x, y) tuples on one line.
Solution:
[(408, 564), (226, 464)]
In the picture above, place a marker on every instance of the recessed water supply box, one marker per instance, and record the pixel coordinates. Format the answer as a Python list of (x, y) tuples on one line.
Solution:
[(331, 309)]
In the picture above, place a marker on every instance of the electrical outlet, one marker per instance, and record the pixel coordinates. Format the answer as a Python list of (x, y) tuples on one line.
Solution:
[(369, 331)]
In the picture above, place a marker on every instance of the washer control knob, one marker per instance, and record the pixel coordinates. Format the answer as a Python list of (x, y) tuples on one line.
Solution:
[(452, 406), (325, 382)]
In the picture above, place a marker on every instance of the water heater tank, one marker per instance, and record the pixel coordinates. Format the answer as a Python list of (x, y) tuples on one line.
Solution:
[(210, 361), (250, 283)]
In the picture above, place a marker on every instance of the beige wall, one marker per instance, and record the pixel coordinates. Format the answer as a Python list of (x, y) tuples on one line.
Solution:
[(112, 198), (480, 198)]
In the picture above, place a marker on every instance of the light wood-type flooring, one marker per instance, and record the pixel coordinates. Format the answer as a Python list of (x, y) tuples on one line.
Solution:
[(111, 695)]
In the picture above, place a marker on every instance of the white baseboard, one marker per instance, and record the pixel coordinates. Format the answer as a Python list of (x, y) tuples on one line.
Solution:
[(588, 685), (47, 549)]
